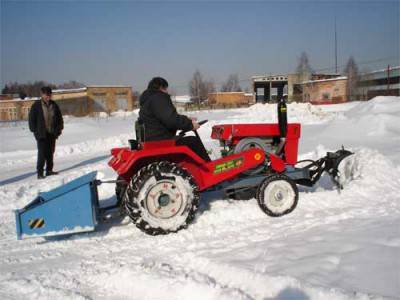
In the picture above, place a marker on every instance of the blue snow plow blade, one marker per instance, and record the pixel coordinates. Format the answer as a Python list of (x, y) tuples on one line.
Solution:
[(70, 208)]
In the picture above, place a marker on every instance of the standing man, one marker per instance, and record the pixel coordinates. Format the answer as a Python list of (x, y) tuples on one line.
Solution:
[(46, 123)]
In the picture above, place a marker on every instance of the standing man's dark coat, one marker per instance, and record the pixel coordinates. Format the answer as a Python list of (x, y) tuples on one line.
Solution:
[(37, 124)]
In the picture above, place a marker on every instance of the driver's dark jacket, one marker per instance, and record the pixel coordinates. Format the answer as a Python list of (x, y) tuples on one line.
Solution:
[(159, 116)]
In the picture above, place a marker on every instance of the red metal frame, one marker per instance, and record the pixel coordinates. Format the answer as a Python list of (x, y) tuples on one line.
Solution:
[(233, 133), (127, 162), (206, 174)]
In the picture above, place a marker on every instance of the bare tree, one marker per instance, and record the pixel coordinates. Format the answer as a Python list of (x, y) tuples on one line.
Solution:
[(6, 90), (27, 89), (209, 87), (364, 78), (199, 88), (232, 84), (303, 67), (32, 89), (195, 85), (353, 78), (72, 84)]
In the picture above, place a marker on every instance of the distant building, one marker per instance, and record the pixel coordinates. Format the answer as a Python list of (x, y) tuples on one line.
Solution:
[(385, 82), (295, 84), (103, 98), (75, 102), (6, 96), (181, 102), (268, 88), (230, 98), (325, 91)]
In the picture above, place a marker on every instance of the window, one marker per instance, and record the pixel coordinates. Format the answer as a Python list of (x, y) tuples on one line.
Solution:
[(12, 113), (122, 104), (25, 112), (326, 96), (99, 94)]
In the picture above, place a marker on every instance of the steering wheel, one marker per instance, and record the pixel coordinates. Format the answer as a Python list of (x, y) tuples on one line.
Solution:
[(183, 132)]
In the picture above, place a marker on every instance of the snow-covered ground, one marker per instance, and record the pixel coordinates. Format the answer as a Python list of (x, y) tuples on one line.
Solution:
[(333, 246)]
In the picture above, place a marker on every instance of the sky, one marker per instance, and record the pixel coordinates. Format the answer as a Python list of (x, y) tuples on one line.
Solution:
[(129, 42)]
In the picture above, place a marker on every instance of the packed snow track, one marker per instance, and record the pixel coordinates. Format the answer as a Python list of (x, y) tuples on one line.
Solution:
[(332, 246)]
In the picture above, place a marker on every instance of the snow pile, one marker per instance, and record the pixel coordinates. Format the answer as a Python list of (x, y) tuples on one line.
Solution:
[(332, 246), (297, 112), (379, 116), (374, 124)]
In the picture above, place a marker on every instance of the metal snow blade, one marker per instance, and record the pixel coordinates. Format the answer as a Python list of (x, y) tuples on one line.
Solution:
[(70, 208), (334, 163), (341, 166)]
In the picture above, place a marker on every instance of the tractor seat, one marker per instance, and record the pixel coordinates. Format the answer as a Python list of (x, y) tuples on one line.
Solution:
[(136, 144)]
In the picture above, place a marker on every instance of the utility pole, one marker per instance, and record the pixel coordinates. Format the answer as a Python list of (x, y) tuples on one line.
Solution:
[(336, 70), (198, 94)]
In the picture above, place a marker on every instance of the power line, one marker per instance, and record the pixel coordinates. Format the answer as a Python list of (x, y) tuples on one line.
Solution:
[(361, 63), (333, 68)]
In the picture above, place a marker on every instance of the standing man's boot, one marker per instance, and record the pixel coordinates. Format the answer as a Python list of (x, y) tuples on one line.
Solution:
[(50, 173), (40, 175)]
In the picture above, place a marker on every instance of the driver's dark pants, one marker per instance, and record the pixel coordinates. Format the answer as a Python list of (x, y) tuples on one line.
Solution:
[(194, 143)]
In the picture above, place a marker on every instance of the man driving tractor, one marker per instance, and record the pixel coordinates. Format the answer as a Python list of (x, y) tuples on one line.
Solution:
[(161, 120)]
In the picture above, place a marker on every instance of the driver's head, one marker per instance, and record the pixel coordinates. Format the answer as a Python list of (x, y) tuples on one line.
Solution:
[(158, 84)]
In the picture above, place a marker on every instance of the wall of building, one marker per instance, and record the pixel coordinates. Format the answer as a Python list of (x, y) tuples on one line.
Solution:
[(385, 82), (269, 88), (108, 99), (14, 110), (76, 102), (230, 98), (325, 91), (295, 84), (6, 96), (77, 107), (295, 88)]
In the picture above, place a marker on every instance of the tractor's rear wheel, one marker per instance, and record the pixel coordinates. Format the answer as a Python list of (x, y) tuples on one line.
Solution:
[(277, 195), (161, 198)]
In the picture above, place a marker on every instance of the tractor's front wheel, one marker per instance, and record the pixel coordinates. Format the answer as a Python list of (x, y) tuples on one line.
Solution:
[(161, 198), (277, 195)]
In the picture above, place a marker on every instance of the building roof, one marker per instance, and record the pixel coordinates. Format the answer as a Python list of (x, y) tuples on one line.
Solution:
[(269, 78), (62, 91), (181, 99), (20, 100), (108, 86), (323, 80), (382, 70), (215, 93)]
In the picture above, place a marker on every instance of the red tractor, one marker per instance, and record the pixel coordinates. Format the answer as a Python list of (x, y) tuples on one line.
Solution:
[(159, 183)]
